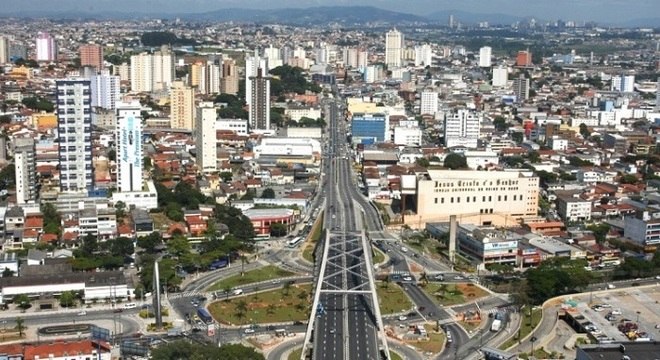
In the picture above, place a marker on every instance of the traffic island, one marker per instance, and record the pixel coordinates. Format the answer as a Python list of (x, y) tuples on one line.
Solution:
[(71, 329)]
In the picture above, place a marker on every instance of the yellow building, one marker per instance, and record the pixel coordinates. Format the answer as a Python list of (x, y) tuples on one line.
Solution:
[(44, 121), (182, 106)]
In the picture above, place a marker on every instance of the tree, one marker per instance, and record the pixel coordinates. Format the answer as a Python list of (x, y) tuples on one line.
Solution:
[(268, 193), (226, 176), (629, 179), (271, 309), (20, 326), (227, 290), (7, 272), (278, 229), (90, 245), (178, 246), (22, 301), (52, 219), (150, 242), (183, 349), (584, 131), (241, 309), (518, 137), (120, 206), (500, 123), (286, 288), (121, 247), (67, 299), (534, 157), (112, 155), (423, 162), (455, 161)]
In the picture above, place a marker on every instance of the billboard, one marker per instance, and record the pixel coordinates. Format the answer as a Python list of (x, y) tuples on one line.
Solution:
[(129, 154), (502, 245)]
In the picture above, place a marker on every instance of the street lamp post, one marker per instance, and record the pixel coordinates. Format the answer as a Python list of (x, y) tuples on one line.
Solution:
[(533, 339)]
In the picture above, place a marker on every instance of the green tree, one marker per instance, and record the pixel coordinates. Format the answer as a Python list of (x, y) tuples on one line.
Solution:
[(500, 123), (226, 176), (600, 231), (120, 207), (455, 161), (20, 326), (584, 131), (121, 246), (52, 219), (183, 349), (268, 193), (22, 301), (90, 245), (150, 242), (629, 179), (67, 299), (7, 272), (241, 309), (423, 162), (178, 246), (534, 157), (278, 229), (517, 137)]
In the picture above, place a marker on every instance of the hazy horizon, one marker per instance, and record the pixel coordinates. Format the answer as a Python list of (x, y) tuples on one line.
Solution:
[(612, 11)]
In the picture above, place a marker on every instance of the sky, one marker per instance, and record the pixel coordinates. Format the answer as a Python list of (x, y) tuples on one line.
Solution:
[(613, 11)]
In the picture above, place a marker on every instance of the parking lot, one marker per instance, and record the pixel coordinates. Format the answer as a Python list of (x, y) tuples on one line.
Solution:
[(623, 315)]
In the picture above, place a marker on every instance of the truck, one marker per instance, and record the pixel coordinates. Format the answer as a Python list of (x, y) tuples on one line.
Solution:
[(496, 325)]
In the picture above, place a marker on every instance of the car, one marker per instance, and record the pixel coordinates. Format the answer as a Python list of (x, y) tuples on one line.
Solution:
[(616, 312), (403, 318), (117, 310), (82, 313), (407, 278), (458, 277), (421, 308), (332, 331), (439, 277), (249, 331)]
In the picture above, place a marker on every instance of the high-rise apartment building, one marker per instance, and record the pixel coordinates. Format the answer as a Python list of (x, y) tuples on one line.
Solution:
[(46, 47), (152, 72), (393, 48), (362, 59), (123, 71), (260, 101), (623, 83), (205, 77), (428, 103), (657, 95), (252, 64), (91, 55), (229, 79), (462, 129), (423, 55), (4, 49), (182, 106), (205, 138), (129, 146), (521, 88), (485, 54), (74, 128), (106, 90), (524, 58), (500, 76), (350, 57), (26, 176)]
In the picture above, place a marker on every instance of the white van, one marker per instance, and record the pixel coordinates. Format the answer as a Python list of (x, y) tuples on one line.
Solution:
[(130, 306), (237, 292)]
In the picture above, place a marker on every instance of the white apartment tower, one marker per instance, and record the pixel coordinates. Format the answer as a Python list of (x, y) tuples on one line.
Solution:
[(428, 103), (500, 76), (393, 48), (462, 129), (74, 119), (260, 102), (205, 137), (46, 47), (423, 55), (26, 176), (252, 64), (152, 72), (4, 49), (350, 58), (623, 83), (485, 54), (129, 146), (205, 77), (521, 88), (105, 90), (182, 106), (657, 95)]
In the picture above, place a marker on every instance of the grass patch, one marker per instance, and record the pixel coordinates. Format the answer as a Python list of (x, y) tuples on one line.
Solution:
[(434, 342), (378, 257), (541, 354), (161, 222), (279, 305), (314, 236), (269, 272), (453, 294), (526, 327), (295, 354), (392, 299), (395, 356)]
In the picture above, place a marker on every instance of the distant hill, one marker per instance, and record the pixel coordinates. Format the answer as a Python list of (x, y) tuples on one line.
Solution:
[(312, 15)]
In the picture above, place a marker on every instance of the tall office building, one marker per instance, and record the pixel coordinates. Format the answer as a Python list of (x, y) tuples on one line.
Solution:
[(252, 64), (623, 83), (521, 88), (205, 138), (451, 22), (4, 49), (46, 47), (182, 106), (524, 58), (74, 119), (129, 146), (500, 76), (105, 90), (26, 176), (91, 55), (393, 48), (152, 72), (485, 54), (229, 79), (462, 129), (428, 103), (423, 55), (350, 57), (260, 101)]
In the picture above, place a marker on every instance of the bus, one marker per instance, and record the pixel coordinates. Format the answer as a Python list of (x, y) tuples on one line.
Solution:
[(204, 315), (294, 242)]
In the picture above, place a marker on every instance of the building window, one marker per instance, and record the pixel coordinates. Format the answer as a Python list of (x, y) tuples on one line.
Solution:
[(436, 200), (452, 200), (442, 200)]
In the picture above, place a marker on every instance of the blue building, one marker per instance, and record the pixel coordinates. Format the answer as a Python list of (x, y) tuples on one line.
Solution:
[(369, 128)]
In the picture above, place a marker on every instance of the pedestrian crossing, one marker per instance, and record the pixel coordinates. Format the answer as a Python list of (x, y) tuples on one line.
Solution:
[(185, 294)]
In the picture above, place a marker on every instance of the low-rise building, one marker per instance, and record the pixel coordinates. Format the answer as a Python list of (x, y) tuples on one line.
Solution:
[(488, 245), (572, 208), (262, 219), (643, 228)]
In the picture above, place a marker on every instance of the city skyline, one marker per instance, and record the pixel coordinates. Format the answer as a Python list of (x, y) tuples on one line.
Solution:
[(613, 11)]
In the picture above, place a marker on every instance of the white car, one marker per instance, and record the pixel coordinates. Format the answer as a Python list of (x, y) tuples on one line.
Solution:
[(249, 331), (82, 313), (407, 278), (403, 318)]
